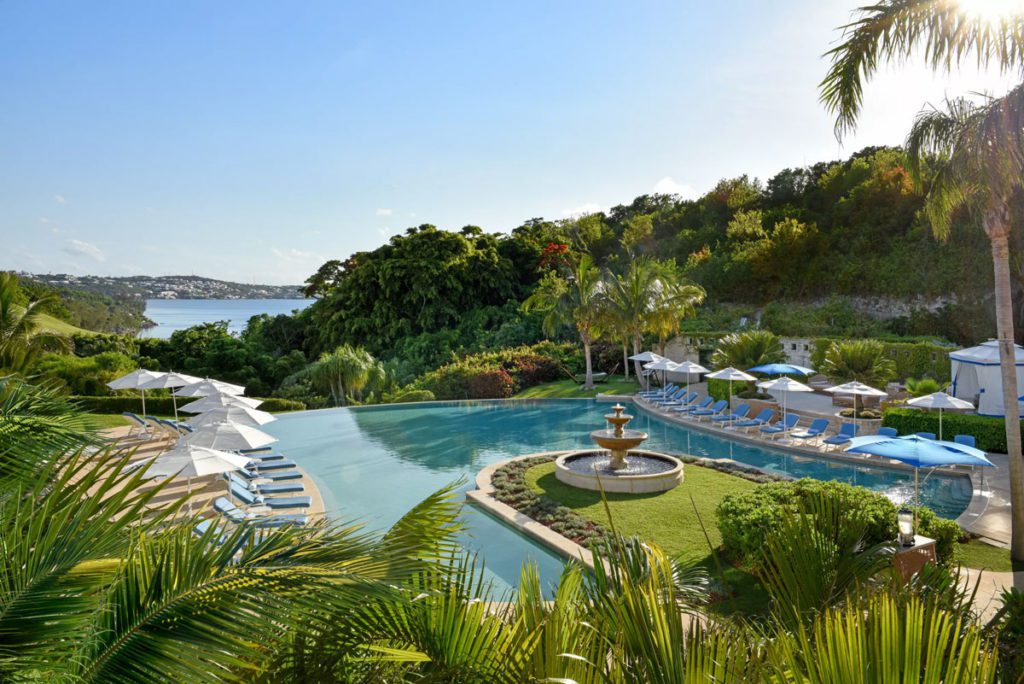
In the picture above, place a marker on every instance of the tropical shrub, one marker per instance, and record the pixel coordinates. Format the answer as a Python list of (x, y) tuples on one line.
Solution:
[(745, 350), (858, 360), (407, 396), (745, 519), (1008, 626), (989, 432), (85, 375), (491, 384), (923, 386), (911, 359), (866, 414)]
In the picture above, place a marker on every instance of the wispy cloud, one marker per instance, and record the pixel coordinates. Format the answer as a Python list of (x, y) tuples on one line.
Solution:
[(583, 209), (384, 212), (82, 248), (669, 186), (297, 255), (59, 199)]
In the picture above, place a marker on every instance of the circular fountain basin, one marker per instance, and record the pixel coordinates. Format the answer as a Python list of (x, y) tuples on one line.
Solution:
[(645, 472)]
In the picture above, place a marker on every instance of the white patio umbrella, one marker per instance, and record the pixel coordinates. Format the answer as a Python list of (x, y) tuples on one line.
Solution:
[(239, 415), (205, 388), (645, 357), (219, 401), (228, 437), (731, 374), (940, 401), (171, 381), (135, 380), (689, 367), (188, 461), (857, 389), (784, 385), (662, 365)]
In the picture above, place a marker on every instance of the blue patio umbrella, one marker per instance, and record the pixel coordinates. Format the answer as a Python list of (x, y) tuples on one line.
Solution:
[(919, 452), (781, 369)]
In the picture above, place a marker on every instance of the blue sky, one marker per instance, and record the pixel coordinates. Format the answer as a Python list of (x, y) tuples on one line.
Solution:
[(253, 140)]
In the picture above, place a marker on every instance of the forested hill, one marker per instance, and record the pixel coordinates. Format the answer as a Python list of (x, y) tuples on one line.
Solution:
[(802, 251)]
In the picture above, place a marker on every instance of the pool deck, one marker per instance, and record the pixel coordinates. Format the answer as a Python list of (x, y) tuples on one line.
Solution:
[(204, 489), (987, 515)]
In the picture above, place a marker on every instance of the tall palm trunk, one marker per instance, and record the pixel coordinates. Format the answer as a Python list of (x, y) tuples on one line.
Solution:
[(625, 357), (997, 225), (637, 340), (589, 383)]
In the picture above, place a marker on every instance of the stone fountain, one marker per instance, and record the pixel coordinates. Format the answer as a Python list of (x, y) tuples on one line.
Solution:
[(621, 468), (616, 439)]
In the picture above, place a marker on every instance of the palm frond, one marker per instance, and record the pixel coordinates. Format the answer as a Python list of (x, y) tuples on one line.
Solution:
[(894, 30)]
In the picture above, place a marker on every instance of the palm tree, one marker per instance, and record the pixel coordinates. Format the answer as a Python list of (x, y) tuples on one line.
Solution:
[(675, 300), (979, 148), (345, 372), (22, 338), (858, 360), (576, 300), (650, 296), (747, 349)]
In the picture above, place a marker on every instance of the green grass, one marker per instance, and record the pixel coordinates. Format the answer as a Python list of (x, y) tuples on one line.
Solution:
[(102, 421), (54, 325), (668, 519), (569, 389), (982, 556)]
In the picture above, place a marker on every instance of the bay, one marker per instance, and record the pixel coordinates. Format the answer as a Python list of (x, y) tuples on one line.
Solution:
[(179, 314)]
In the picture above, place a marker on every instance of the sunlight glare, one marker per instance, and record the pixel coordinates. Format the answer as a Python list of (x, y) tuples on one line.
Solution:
[(992, 11)]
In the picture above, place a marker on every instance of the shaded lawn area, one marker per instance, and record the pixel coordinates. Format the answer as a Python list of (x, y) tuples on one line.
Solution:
[(569, 389), (668, 519), (976, 554), (102, 421)]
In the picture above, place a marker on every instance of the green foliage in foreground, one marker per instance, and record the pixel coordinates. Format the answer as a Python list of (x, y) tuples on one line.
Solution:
[(989, 432)]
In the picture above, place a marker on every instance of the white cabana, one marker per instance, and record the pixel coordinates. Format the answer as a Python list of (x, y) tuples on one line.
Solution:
[(977, 378)]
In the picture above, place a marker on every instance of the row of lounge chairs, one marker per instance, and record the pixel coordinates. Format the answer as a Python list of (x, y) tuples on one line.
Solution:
[(673, 399), (151, 427)]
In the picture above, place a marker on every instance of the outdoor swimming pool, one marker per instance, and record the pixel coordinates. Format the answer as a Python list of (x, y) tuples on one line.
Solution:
[(375, 463)]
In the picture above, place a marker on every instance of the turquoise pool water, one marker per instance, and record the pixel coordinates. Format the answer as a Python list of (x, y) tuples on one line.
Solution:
[(375, 463)]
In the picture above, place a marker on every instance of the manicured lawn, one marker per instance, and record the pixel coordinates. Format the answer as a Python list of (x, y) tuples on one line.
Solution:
[(568, 389), (668, 519), (55, 325), (102, 421), (976, 554)]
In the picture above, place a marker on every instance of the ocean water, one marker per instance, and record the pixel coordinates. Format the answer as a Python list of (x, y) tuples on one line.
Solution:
[(179, 314)]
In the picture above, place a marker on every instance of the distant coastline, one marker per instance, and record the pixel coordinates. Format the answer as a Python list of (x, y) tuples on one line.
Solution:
[(172, 314), (168, 287)]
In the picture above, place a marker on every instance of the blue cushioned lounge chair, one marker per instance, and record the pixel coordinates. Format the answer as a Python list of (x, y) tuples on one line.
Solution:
[(780, 426), (761, 419), (966, 440), (847, 431), (739, 414), (814, 431), (693, 408), (714, 410), (926, 435), (887, 432)]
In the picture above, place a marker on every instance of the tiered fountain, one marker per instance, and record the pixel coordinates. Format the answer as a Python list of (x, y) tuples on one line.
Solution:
[(621, 468)]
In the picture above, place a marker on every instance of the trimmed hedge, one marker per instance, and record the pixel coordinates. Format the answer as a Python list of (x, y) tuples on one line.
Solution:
[(164, 405), (745, 519), (990, 433)]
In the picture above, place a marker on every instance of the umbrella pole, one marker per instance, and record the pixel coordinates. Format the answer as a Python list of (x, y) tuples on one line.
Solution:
[(916, 471), (143, 403), (174, 400), (940, 424)]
